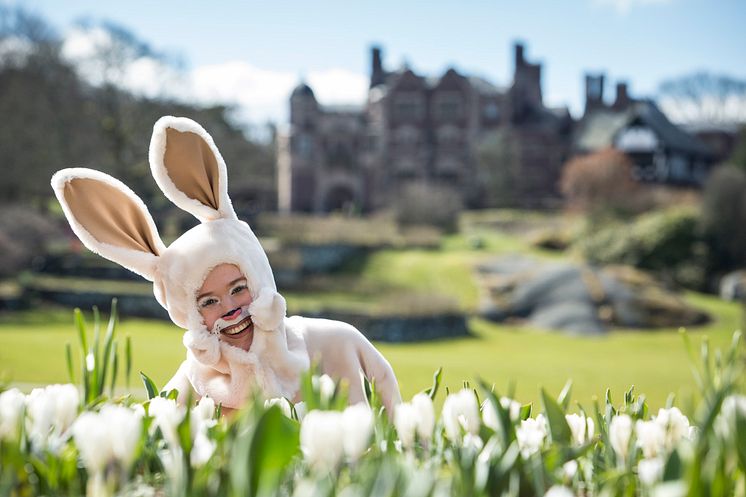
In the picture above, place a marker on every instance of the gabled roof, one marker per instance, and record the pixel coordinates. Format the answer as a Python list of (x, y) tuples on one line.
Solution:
[(598, 128)]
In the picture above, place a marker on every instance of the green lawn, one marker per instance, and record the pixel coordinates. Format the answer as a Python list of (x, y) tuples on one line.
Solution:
[(655, 361), (32, 352)]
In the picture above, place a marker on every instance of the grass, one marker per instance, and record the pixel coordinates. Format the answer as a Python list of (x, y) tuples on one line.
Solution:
[(32, 352), (655, 361)]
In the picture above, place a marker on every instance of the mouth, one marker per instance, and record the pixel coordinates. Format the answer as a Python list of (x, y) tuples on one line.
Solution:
[(242, 327)]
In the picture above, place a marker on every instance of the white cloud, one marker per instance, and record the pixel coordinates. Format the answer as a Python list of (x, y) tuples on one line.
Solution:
[(260, 94), (624, 6)]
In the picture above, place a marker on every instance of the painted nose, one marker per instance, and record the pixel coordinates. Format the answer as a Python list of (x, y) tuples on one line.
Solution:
[(232, 314)]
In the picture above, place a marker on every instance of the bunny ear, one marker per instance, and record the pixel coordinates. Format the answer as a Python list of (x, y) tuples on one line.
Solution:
[(189, 169), (109, 219)]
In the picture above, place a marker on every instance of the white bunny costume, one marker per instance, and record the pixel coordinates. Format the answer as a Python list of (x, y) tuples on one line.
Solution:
[(114, 223)]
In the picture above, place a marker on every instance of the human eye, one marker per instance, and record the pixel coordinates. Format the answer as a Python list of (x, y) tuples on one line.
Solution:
[(207, 302), (238, 289)]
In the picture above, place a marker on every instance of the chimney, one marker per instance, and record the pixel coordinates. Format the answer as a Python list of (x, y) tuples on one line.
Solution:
[(594, 92), (622, 96), (519, 60), (377, 75)]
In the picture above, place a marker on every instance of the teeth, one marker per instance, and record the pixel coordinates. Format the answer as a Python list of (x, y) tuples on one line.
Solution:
[(239, 327)]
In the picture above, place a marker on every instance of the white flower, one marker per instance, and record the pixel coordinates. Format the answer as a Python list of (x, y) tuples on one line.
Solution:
[(202, 449), (674, 424), (582, 428), (12, 403), (423, 406), (570, 468), (676, 488), (280, 402), (325, 385), (357, 427), (51, 411), (321, 439), (201, 419), (416, 417), (620, 431), (110, 435), (472, 442), (531, 434), (650, 471), (405, 421), (651, 438), (167, 416), (559, 491), (300, 410), (461, 413), (725, 423)]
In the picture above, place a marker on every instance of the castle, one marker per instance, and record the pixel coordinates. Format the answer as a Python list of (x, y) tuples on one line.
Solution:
[(491, 146)]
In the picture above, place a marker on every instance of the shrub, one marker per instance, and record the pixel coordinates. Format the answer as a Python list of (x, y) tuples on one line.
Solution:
[(428, 204), (24, 235), (667, 242), (600, 183), (724, 217)]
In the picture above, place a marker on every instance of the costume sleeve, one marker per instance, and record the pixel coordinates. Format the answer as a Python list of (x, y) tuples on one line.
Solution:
[(377, 368), (181, 383)]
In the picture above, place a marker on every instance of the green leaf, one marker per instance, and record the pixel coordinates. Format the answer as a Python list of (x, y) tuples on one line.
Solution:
[(108, 340), (558, 426), (525, 411), (741, 438), (437, 377), (564, 397), (150, 387), (114, 368), (272, 445), (69, 360), (80, 325), (127, 361)]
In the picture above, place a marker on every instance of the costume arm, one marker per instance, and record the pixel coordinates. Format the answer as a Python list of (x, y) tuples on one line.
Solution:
[(181, 382), (376, 367)]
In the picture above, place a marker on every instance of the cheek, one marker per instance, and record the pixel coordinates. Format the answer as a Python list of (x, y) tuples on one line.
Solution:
[(209, 316)]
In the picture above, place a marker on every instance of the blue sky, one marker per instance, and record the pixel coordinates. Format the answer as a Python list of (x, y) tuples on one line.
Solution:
[(642, 41)]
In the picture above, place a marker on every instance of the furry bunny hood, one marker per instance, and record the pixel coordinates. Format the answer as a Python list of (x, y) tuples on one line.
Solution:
[(114, 223)]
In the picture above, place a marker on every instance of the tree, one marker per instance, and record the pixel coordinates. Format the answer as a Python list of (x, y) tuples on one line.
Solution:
[(704, 98), (724, 216), (498, 169), (600, 183)]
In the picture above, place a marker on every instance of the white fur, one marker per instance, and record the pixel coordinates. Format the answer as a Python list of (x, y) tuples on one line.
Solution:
[(142, 263), (157, 152)]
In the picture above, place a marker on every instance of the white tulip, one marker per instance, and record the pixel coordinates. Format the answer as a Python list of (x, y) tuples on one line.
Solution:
[(300, 410), (620, 432), (570, 469), (50, 412), (415, 418), (677, 488), (202, 449), (651, 438), (582, 428), (559, 491), (725, 423), (167, 416), (650, 470), (425, 410), (321, 439), (110, 435), (280, 402), (461, 414), (90, 435), (472, 442), (405, 421), (530, 435), (325, 385), (204, 412), (12, 403), (489, 415), (674, 424), (357, 428)]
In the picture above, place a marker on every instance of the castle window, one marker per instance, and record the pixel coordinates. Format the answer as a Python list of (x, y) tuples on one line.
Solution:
[(448, 106), (409, 106), (490, 111), (303, 145)]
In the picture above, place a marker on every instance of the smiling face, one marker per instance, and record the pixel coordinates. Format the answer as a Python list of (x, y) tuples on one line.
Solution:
[(223, 301)]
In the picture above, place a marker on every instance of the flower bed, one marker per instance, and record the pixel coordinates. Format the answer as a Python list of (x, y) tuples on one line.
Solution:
[(73, 440)]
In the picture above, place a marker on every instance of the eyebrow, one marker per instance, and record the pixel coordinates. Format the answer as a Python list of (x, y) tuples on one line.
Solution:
[(229, 284)]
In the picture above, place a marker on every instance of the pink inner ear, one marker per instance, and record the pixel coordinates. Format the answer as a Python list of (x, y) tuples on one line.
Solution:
[(110, 215), (192, 167)]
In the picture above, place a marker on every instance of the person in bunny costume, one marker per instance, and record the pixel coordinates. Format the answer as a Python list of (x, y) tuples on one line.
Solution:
[(215, 280)]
